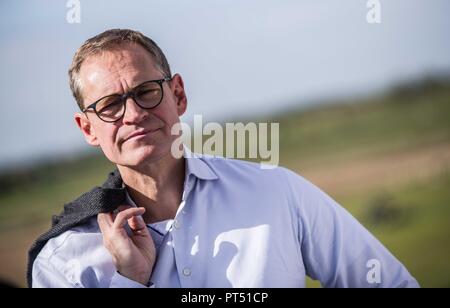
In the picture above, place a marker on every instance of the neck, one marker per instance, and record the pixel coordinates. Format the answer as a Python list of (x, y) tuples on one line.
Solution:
[(157, 186)]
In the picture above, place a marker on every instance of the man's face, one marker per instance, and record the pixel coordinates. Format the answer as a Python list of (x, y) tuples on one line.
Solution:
[(116, 72)]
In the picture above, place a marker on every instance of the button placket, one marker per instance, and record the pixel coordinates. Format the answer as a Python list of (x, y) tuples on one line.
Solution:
[(187, 271), (176, 224), (183, 259)]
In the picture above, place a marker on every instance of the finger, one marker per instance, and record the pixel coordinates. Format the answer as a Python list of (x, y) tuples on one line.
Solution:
[(104, 221), (122, 217), (123, 208), (119, 209), (137, 223)]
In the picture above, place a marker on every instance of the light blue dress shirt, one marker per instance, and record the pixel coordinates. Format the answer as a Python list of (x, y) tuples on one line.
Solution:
[(237, 226)]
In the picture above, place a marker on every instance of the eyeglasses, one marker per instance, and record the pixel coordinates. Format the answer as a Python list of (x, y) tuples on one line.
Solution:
[(147, 95)]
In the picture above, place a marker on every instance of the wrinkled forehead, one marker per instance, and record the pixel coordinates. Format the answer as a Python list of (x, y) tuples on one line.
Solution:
[(116, 70)]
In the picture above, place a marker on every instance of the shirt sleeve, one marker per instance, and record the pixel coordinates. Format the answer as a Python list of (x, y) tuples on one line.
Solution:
[(46, 276), (336, 249), (119, 281)]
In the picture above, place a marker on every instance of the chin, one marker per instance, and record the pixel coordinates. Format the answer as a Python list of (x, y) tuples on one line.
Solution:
[(145, 155)]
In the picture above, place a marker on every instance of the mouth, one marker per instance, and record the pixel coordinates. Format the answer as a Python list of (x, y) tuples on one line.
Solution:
[(141, 133)]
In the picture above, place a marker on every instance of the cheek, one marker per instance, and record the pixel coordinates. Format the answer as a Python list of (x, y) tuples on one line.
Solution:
[(167, 113), (108, 144), (169, 119)]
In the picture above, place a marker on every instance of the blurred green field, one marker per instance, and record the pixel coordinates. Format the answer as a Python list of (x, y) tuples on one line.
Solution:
[(386, 159)]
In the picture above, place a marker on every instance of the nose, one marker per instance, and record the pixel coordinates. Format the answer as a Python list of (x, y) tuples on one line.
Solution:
[(133, 113)]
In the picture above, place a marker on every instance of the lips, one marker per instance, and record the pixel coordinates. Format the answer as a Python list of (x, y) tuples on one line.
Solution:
[(140, 133)]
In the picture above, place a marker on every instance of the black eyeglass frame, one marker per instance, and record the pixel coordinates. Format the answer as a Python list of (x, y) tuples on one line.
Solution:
[(124, 97)]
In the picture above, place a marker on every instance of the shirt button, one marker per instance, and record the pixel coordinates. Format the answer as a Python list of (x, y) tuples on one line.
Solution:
[(186, 271), (176, 224)]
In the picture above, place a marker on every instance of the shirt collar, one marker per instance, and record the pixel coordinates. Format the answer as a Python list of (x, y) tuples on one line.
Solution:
[(196, 165)]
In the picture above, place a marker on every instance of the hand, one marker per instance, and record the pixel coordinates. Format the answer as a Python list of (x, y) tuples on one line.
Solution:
[(134, 256)]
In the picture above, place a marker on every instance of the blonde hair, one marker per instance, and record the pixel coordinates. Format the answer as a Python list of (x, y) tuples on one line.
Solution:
[(107, 41)]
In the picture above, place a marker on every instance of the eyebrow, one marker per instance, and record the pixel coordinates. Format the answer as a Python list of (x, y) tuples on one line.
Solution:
[(120, 94), (117, 94)]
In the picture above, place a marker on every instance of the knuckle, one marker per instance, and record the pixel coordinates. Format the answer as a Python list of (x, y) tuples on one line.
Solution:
[(107, 243), (121, 215)]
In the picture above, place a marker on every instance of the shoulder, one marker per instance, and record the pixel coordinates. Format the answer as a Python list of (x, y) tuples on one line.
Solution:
[(240, 170), (72, 255), (278, 178), (70, 238), (268, 185)]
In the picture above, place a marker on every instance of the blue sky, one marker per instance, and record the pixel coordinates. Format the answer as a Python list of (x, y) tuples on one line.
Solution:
[(238, 58)]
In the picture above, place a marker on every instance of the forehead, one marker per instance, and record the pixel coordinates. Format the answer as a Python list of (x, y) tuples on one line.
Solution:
[(116, 70)]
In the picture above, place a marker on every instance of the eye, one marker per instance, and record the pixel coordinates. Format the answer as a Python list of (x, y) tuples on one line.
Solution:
[(109, 103), (149, 92)]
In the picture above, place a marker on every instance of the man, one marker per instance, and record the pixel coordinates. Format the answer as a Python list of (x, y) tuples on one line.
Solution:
[(194, 221)]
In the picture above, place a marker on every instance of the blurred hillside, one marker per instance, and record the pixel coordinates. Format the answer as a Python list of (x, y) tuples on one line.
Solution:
[(386, 159)]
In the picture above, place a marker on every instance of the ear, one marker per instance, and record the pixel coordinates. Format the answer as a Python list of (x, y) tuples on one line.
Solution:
[(86, 128), (177, 86)]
